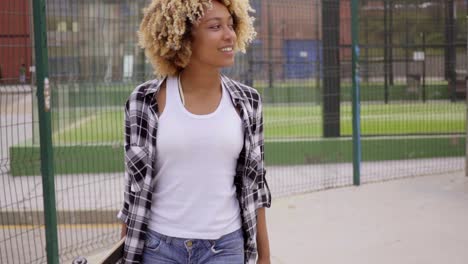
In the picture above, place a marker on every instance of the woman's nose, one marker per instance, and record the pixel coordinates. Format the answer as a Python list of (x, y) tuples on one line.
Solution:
[(229, 33)]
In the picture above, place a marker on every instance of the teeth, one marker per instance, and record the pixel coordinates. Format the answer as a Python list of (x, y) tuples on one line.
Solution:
[(226, 49)]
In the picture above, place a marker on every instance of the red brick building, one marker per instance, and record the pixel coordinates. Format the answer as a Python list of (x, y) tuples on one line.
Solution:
[(290, 35), (15, 39)]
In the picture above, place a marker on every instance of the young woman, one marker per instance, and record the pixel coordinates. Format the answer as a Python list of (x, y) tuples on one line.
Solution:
[(195, 187)]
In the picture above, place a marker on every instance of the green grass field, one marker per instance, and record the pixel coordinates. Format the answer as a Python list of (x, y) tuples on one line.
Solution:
[(293, 136), (282, 92), (295, 121)]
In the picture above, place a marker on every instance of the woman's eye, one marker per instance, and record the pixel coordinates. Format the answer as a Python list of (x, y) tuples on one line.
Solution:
[(215, 27)]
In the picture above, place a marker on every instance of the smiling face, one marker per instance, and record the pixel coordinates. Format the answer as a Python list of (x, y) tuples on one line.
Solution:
[(213, 39)]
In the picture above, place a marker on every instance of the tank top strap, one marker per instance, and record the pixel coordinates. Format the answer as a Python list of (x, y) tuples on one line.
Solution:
[(172, 95), (172, 92)]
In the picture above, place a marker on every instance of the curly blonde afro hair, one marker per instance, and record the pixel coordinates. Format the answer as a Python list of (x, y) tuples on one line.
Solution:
[(164, 32)]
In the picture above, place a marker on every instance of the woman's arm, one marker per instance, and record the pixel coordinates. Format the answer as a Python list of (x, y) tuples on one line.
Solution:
[(263, 243)]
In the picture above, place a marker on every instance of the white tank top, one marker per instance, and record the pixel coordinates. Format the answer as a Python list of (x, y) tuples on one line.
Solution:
[(194, 195)]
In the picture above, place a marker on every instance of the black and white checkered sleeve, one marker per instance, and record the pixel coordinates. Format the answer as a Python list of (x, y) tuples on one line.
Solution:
[(263, 191), (123, 213)]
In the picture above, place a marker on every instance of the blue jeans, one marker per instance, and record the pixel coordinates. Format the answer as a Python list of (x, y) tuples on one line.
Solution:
[(228, 249)]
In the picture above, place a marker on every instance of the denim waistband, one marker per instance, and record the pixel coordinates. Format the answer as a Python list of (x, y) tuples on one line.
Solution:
[(178, 241)]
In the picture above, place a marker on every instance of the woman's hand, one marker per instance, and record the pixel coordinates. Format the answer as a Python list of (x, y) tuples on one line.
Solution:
[(123, 231)]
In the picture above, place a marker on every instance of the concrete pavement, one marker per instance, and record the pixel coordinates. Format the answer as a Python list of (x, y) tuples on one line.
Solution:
[(408, 221)]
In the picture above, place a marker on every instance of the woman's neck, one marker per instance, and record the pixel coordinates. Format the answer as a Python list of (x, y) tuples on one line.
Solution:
[(200, 81)]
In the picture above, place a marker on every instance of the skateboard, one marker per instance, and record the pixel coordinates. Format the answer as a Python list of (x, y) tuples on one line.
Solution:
[(115, 254)]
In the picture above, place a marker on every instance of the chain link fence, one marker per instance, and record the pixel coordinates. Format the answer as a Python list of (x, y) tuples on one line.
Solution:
[(412, 69)]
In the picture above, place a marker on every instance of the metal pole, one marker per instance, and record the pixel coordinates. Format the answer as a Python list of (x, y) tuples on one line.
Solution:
[(141, 53), (450, 56), (33, 79), (390, 43), (331, 68), (356, 96), (318, 66), (250, 63), (424, 67), (406, 48), (366, 54), (45, 132), (283, 37), (270, 54), (386, 61)]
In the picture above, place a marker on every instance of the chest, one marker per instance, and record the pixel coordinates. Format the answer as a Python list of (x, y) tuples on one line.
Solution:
[(202, 104), (153, 129), (181, 134)]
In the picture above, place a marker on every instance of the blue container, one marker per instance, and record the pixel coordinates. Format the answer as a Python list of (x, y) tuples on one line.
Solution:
[(303, 58)]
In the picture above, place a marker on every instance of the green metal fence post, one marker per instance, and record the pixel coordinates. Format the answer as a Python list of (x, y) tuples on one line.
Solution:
[(356, 96), (466, 104), (44, 103)]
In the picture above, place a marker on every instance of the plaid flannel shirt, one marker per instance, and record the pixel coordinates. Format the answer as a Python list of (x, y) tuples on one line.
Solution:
[(141, 123)]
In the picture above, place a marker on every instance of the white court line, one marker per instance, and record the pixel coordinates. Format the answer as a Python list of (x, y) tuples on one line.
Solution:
[(75, 125)]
